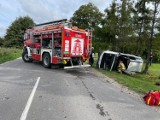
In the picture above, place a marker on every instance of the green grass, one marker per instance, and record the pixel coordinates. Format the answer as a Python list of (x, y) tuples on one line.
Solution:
[(7, 54), (140, 83)]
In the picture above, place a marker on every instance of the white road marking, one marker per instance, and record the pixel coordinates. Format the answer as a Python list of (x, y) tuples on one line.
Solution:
[(29, 102)]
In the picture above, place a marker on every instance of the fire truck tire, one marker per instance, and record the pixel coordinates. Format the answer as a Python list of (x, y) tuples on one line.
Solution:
[(25, 57), (46, 60)]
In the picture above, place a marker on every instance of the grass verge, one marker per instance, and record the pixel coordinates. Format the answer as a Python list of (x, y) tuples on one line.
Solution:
[(140, 83), (7, 54)]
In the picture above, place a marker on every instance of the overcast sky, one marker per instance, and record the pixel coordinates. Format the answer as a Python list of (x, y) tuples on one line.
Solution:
[(42, 10)]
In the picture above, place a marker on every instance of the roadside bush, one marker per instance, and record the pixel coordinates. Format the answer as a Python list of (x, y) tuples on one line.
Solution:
[(156, 56), (7, 54)]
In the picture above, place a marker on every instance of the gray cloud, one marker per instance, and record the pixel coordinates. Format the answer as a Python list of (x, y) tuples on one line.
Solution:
[(36, 10), (99, 3), (46, 10), (42, 10)]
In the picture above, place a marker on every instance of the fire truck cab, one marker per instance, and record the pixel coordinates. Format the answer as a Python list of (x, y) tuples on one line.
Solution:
[(57, 43)]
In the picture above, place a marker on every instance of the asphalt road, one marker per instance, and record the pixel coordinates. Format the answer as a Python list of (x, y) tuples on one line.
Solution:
[(64, 95)]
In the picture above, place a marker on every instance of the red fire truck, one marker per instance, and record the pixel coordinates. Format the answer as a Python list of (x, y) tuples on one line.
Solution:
[(57, 43)]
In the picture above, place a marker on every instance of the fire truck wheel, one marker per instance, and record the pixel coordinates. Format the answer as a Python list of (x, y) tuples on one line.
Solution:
[(25, 57), (46, 60)]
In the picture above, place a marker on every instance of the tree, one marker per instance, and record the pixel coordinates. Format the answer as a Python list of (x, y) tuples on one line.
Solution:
[(152, 32), (1, 41), (15, 32), (156, 49), (125, 25), (111, 25), (87, 15), (142, 21), (158, 26)]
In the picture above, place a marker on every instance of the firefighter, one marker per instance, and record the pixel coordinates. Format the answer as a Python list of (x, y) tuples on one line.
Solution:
[(121, 67), (91, 59)]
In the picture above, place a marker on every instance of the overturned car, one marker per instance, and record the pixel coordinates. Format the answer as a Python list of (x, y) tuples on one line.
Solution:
[(109, 60)]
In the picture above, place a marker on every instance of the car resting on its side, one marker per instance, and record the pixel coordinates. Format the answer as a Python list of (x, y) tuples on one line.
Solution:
[(109, 60)]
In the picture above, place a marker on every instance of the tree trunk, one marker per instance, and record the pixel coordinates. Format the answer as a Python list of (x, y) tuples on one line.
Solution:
[(156, 3)]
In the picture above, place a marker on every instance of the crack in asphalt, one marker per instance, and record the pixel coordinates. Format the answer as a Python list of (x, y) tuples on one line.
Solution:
[(92, 96), (98, 106), (90, 93), (102, 112)]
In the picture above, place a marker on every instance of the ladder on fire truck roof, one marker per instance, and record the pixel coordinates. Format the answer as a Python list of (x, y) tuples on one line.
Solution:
[(50, 23)]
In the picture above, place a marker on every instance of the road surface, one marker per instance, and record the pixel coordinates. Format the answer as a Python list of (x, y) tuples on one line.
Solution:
[(30, 92)]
